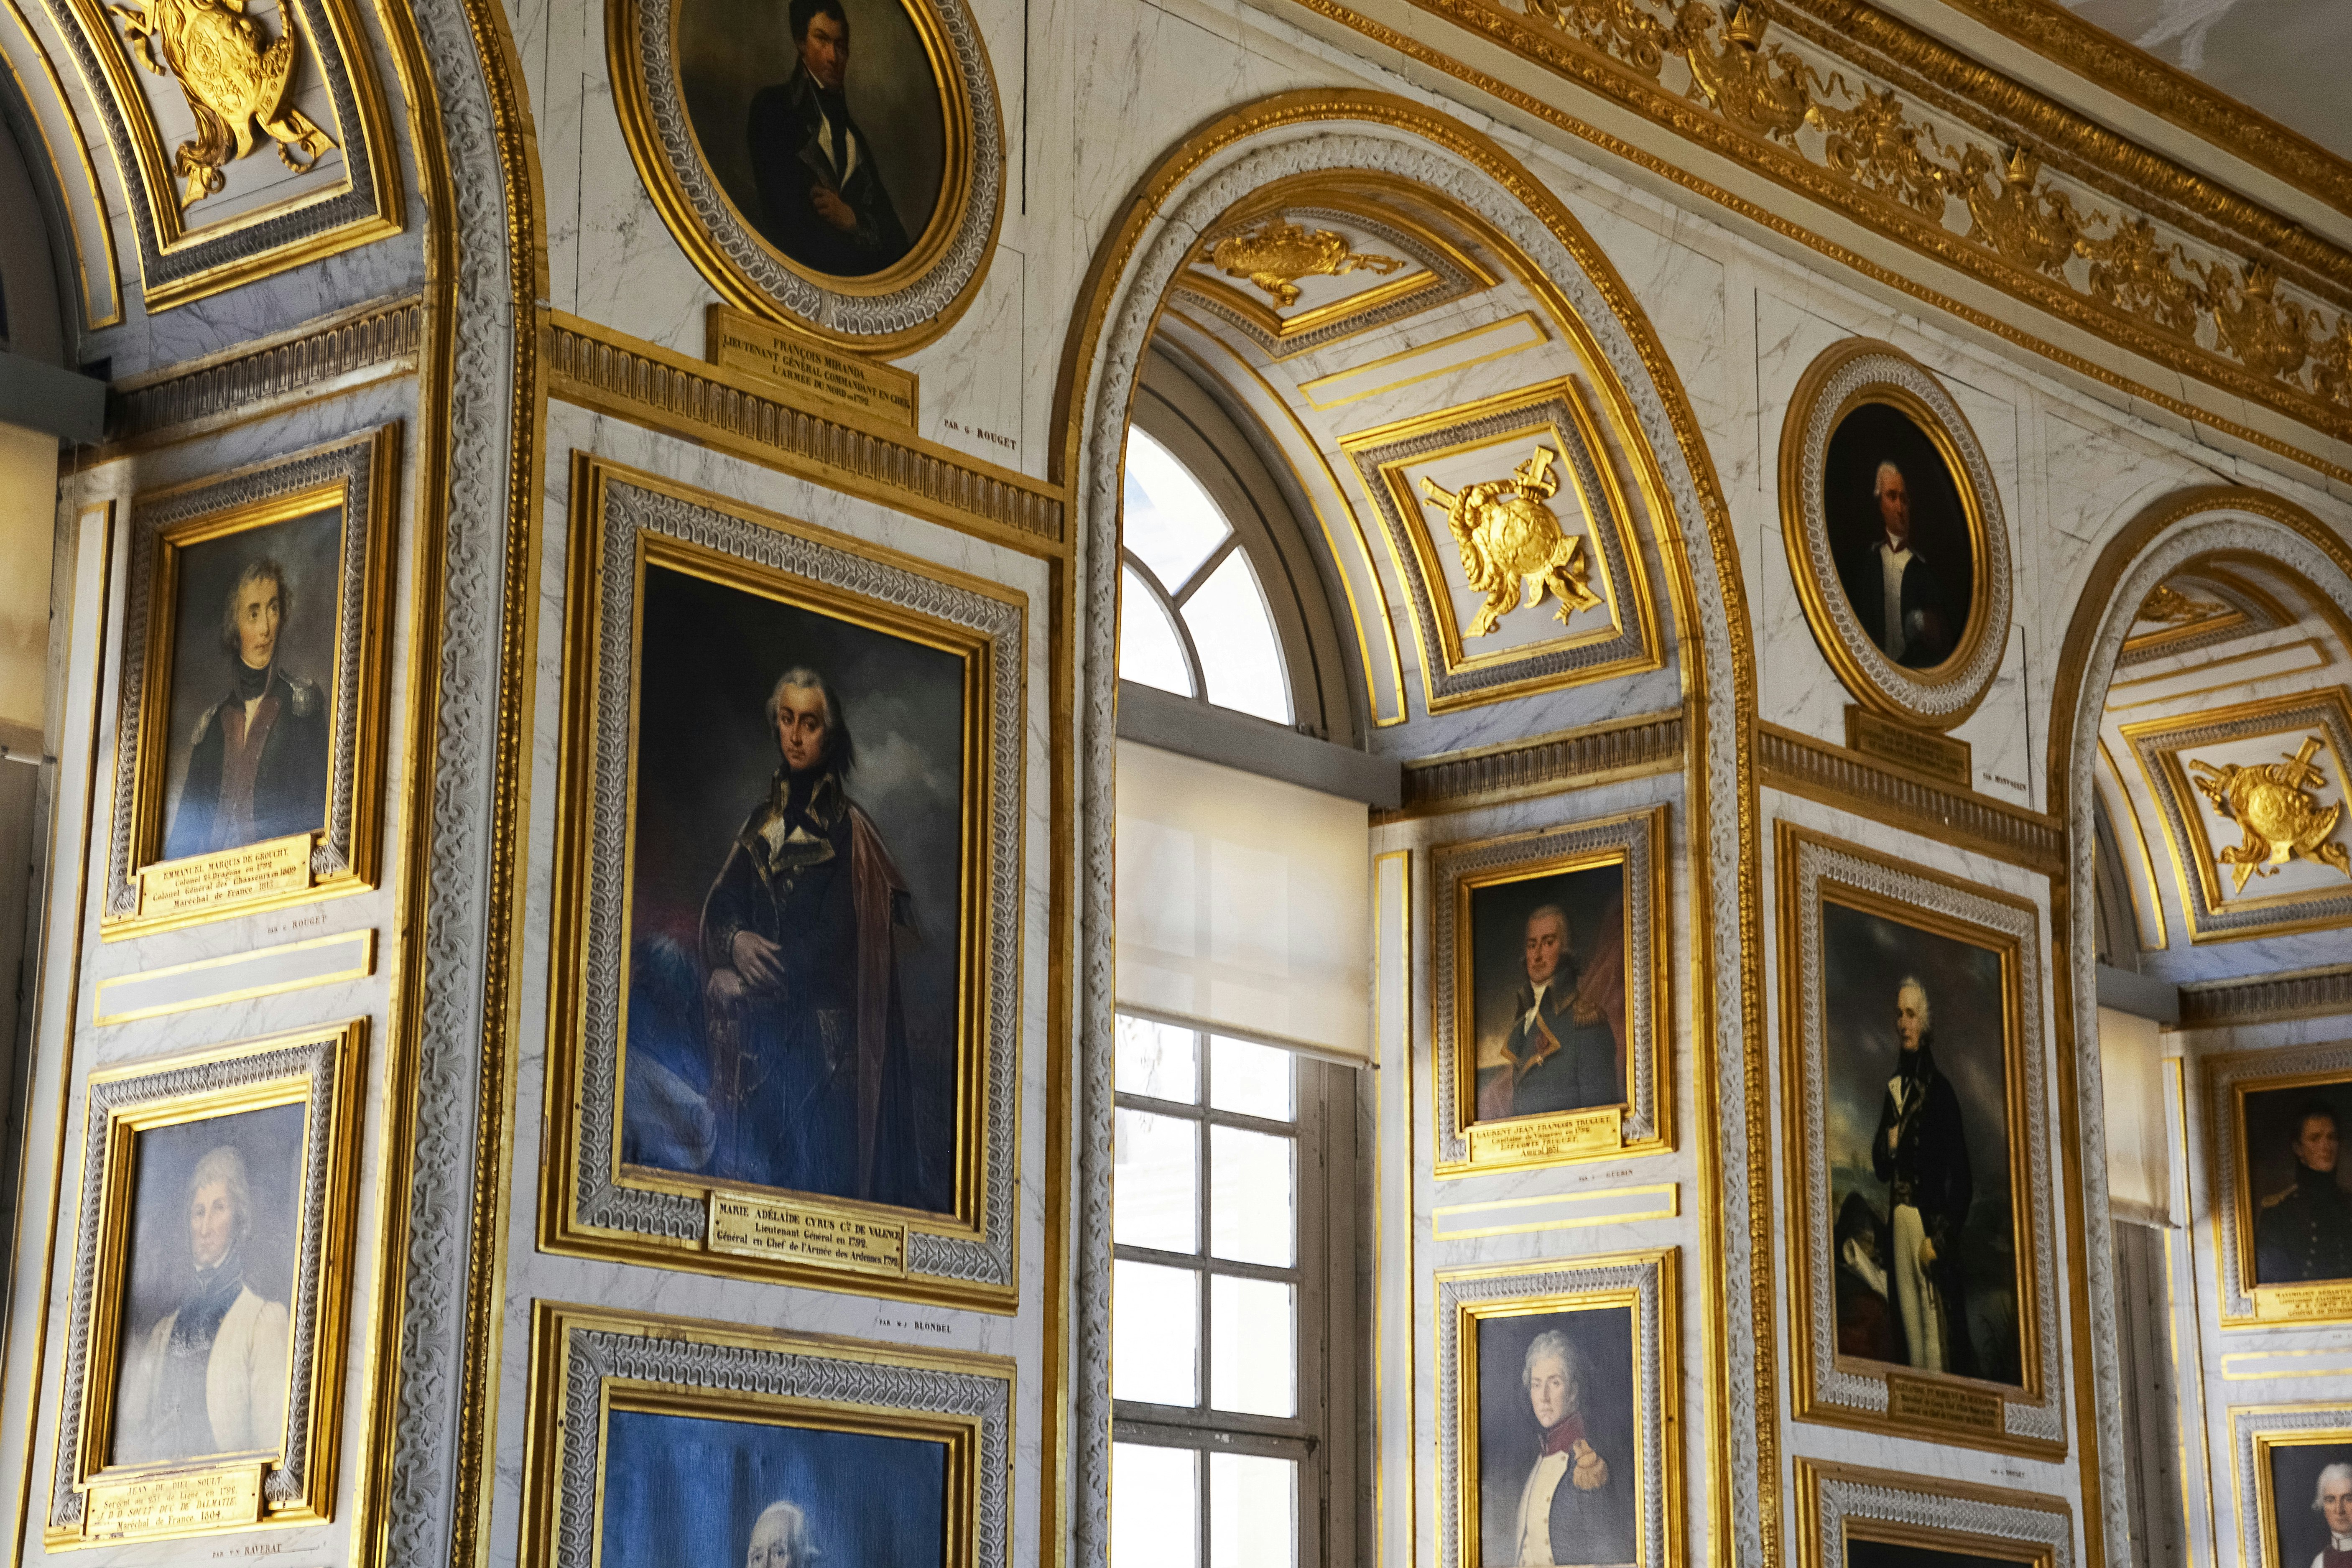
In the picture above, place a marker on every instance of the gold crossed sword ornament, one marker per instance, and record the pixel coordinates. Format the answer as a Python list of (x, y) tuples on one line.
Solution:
[(2274, 804), (1277, 254), (234, 77), (1509, 537)]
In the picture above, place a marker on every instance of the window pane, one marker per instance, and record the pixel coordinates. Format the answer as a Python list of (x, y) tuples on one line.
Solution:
[(1155, 1507), (1253, 1511), (1241, 658), (1171, 523), (1157, 1060), (1250, 1079), (1156, 1183), (1251, 1198), (1149, 649), (1155, 1333), (1253, 1367)]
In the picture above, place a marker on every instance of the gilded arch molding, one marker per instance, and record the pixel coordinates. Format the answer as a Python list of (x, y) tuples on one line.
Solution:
[(2165, 536), (1220, 164)]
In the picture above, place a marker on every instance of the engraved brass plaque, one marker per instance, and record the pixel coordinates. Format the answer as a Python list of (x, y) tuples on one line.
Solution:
[(253, 871), (1938, 757), (1942, 1403), (2291, 1303), (807, 369), (180, 1504), (1551, 1138), (749, 1226)]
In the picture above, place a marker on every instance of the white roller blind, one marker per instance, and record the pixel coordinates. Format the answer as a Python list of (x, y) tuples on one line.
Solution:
[(2131, 1074), (1243, 905)]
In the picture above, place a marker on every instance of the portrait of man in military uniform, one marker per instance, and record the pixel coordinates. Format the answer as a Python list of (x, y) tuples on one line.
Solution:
[(2303, 1215), (1557, 1454), (252, 686), (2311, 1497), (795, 898), (1899, 535), (1923, 1238), (1548, 958)]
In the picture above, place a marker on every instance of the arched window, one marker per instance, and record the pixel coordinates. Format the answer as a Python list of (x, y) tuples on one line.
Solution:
[(1193, 618)]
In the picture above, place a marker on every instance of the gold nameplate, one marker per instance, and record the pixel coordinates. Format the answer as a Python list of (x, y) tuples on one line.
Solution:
[(2289, 1303), (762, 1227), (1938, 757), (254, 871), (807, 368), (1942, 1403), (1547, 1138), (181, 1504)]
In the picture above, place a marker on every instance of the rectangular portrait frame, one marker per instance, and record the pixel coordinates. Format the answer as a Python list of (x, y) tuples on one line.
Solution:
[(594, 1203), (358, 478), (2259, 1436), (1636, 844), (1642, 1284), (2238, 1201), (2027, 1417), (289, 1480), (589, 1365), (1840, 1505)]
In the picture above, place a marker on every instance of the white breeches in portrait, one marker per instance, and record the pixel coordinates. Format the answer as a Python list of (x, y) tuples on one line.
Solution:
[(1914, 1291), (245, 1385)]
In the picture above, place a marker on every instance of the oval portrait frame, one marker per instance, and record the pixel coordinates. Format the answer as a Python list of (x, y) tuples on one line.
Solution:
[(1854, 374), (895, 311)]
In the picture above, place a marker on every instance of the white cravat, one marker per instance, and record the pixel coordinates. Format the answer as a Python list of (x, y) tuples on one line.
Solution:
[(827, 137), (1528, 1023), (1892, 559)]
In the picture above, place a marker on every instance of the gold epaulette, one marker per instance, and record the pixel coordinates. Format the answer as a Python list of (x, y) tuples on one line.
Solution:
[(2278, 1197)]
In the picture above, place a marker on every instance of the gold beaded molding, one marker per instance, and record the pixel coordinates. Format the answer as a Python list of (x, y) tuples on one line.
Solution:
[(1846, 105)]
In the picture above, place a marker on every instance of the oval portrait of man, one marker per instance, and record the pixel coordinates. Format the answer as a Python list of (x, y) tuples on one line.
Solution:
[(823, 120), (1907, 560)]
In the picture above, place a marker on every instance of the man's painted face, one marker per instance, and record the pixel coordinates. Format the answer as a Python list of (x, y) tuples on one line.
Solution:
[(825, 50), (258, 614), (212, 1223), (2335, 1502), (770, 1543), (1910, 1016), (1551, 1392), (801, 727), (1547, 940), (2314, 1145), (1893, 504)]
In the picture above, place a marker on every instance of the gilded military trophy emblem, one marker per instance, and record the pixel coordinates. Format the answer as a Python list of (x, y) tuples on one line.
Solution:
[(236, 78), (1277, 253), (1509, 537), (2273, 806)]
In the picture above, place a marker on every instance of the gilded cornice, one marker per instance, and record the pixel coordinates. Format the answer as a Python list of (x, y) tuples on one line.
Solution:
[(1819, 770), (257, 379), (616, 373), (1858, 112), (2267, 998), (1542, 764), (2100, 58)]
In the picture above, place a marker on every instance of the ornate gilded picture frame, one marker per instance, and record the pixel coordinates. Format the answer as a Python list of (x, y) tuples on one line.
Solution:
[(1549, 1015), (837, 166), (256, 659), (2291, 1480), (1558, 1391), (2282, 1212), (1888, 502), (216, 1219), (1916, 1099), (784, 1034), (1849, 1517), (652, 1431)]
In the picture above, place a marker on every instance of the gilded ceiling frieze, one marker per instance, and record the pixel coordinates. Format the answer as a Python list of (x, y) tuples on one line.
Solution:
[(2201, 280)]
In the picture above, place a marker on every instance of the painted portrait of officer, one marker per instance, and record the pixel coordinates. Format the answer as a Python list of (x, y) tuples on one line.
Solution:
[(823, 198), (2303, 1216), (1557, 1459), (257, 766), (1898, 535), (1548, 957)]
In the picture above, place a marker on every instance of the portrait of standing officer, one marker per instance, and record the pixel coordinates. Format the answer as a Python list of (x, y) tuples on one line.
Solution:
[(2302, 1228), (257, 760), (822, 199), (1920, 1152), (810, 1086)]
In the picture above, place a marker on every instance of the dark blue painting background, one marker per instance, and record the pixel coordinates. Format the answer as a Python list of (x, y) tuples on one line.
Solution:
[(682, 1491)]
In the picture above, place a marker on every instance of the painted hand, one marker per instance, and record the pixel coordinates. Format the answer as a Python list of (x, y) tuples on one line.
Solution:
[(757, 960), (831, 208)]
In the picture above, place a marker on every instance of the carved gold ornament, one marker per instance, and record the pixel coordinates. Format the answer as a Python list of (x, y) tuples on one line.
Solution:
[(2273, 803), (1277, 254), (2172, 607), (235, 78), (1876, 145), (1508, 536)]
